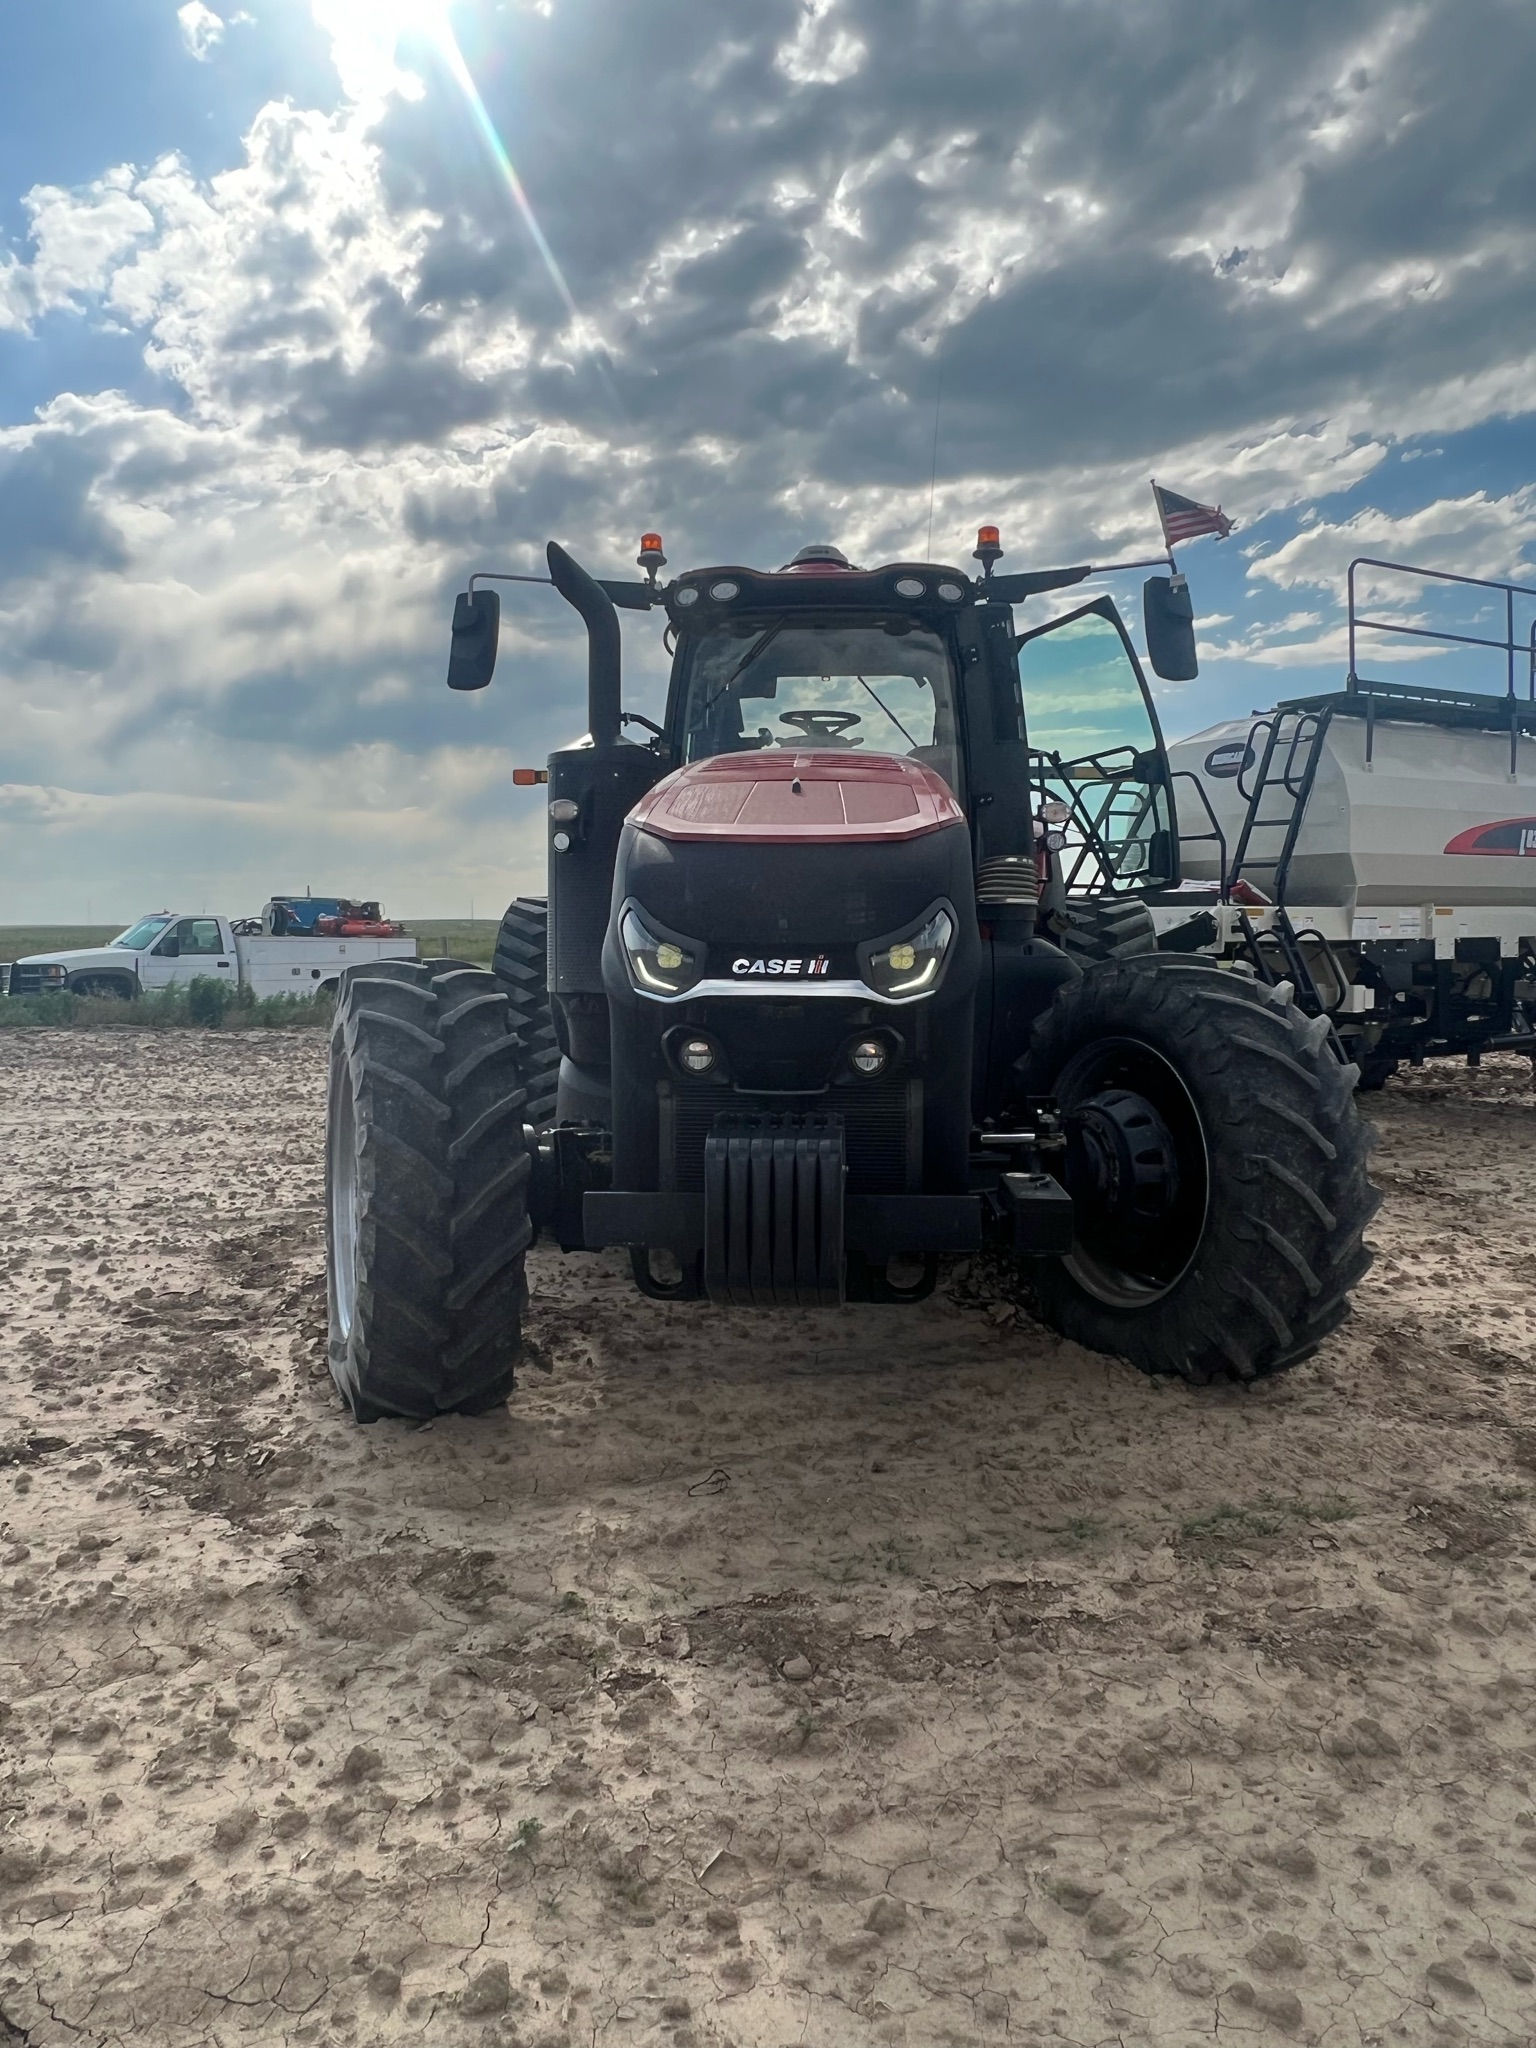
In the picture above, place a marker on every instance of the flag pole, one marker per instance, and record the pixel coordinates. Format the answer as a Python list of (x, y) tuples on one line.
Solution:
[(1157, 500)]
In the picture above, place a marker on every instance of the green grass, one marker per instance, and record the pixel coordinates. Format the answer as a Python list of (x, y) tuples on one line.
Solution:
[(204, 1005), (457, 937), (1229, 1523), (18, 941), (212, 1006), (460, 937)]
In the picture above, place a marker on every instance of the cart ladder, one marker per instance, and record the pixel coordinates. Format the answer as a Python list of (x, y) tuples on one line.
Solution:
[(1289, 746)]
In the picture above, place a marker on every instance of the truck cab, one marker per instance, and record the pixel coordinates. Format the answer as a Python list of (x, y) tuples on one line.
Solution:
[(155, 951)]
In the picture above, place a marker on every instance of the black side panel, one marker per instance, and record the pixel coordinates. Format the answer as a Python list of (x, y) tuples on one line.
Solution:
[(1020, 980), (604, 783)]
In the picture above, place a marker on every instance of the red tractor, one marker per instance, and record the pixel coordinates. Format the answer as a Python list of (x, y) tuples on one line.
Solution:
[(844, 967)]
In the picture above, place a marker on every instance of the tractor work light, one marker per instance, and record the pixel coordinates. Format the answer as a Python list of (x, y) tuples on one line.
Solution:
[(657, 966), (910, 966), (696, 1055), (869, 1056)]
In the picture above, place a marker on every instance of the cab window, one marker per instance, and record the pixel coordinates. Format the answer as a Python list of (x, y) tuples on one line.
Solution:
[(198, 935), (1095, 752), (884, 686)]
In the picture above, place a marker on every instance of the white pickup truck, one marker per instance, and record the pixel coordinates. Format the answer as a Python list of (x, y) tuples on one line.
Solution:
[(167, 947)]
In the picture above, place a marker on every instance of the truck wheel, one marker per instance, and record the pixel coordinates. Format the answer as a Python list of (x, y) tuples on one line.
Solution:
[(426, 1192), (120, 988), (521, 965), (1217, 1167), (1107, 930)]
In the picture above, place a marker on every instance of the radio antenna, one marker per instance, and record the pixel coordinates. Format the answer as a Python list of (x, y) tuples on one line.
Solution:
[(933, 478)]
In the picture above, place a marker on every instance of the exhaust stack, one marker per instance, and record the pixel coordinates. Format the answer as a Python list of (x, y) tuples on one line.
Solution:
[(602, 623)]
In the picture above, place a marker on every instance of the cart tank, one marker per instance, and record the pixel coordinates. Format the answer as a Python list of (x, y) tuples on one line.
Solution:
[(1430, 799)]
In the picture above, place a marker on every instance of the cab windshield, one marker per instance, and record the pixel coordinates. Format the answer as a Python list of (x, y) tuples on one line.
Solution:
[(883, 685), (142, 934)]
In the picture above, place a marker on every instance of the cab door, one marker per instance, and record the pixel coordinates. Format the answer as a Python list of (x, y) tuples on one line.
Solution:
[(193, 947), (1098, 766)]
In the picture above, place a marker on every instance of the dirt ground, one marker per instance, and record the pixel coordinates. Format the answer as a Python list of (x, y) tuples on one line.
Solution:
[(841, 1678)]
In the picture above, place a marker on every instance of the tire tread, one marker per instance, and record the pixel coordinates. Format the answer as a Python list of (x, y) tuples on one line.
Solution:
[(428, 1053), (1284, 1243)]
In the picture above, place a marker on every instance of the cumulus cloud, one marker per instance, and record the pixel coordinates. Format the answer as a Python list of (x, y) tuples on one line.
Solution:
[(1477, 535), (1090, 242), (201, 29)]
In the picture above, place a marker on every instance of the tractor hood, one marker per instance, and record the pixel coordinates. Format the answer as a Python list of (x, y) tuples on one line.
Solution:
[(816, 797), (796, 857)]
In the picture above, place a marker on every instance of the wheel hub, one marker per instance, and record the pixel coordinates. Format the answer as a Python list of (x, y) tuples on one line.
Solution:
[(1121, 1160), (1136, 1169)]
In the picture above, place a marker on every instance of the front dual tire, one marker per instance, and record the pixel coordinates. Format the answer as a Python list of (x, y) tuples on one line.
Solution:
[(426, 1200)]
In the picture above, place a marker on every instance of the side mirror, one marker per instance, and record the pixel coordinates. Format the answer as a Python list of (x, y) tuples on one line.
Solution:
[(1170, 621), (476, 622)]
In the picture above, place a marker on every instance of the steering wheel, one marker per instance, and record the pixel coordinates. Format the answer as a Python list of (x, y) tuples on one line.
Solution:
[(823, 725)]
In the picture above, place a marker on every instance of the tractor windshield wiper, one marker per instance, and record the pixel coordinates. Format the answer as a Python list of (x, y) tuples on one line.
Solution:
[(746, 661), (890, 714)]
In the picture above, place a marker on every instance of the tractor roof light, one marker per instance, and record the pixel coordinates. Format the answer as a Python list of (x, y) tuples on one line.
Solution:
[(650, 556), (988, 548)]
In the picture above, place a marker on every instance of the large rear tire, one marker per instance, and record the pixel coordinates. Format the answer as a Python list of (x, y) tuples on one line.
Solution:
[(426, 1205), (521, 965), (1106, 929), (1217, 1165)]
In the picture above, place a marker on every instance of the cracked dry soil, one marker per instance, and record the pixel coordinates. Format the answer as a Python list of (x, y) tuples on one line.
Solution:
[(838, 1678)]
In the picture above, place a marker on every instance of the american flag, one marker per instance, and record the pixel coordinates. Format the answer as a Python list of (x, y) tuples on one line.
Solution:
[(1183, 519)]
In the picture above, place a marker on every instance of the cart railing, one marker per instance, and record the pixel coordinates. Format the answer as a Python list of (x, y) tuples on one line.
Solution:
[(1509, 646)]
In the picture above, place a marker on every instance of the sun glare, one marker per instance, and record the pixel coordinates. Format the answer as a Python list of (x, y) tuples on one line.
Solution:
[(365, 42), (366, 34)]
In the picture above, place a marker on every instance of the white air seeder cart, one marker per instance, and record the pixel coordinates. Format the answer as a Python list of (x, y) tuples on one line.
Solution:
[(1376, 847)]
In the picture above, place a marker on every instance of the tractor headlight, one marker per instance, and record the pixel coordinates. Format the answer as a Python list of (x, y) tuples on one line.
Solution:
[(658, 966), (909, 966)]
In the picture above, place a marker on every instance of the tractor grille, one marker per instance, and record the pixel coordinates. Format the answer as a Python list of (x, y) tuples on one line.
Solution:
[(882, 1131)]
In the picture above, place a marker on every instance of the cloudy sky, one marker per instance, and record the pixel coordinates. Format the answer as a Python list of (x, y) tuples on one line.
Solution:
[(308, 307)]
